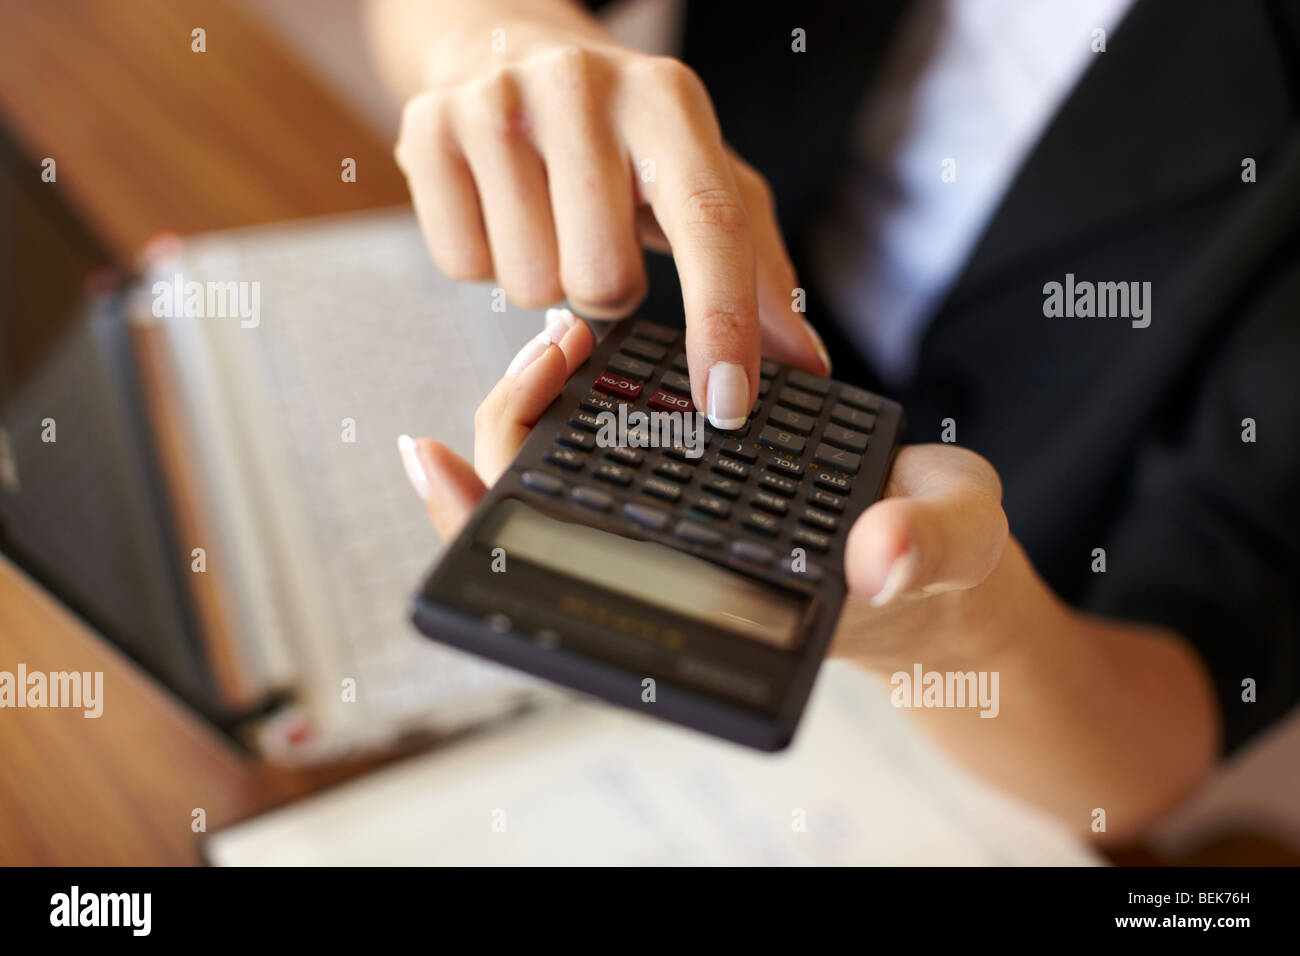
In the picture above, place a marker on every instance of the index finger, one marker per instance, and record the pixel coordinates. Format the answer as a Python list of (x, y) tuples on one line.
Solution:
[(698, 204)]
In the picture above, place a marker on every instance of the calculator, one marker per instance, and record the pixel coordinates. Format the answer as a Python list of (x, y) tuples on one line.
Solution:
[(633, 552)]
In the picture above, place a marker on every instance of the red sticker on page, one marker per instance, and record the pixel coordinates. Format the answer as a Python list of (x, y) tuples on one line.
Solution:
[(669, 402), (617, 385)]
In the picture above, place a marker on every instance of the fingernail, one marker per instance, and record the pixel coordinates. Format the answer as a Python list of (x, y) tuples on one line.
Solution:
[(900, 575), (558, 321), (415, 472), (818, 344), (535, 347), (728, 396)]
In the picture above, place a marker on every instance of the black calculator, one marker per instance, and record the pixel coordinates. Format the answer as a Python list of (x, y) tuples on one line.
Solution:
[(634, 552)]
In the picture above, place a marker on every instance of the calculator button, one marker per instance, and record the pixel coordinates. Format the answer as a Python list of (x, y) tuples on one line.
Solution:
[(838, 458), (818, 519), (781, 440), (764, 386), (662, 488), (585, 420), (614, 474), (837, 483), (779, 484), (681, 453), (732, 469), (792, 421), (676, 382), (762, 523), (696, 533), (595, 402), (617, 384), (808, 382), (566, 458), (824, 499), (576, 439), (859, 398), (739, 451), (626, 365), (668, 402), (845, 438), (592, 498), (540, 481), (768, 368), (645, 515), (723, 486), (799, 401), (810, 572), (713, 507), (679, 363), (674, 470), (811, 539), (751, 552), (625, 456), (654, 332), (645, 350), (783, 466), (770, 502), (852, 418)]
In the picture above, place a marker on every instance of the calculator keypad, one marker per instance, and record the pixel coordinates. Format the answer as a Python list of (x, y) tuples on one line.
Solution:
[(783, 480)]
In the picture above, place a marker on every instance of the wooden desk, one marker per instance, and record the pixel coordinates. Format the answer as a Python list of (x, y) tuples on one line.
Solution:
[(150, 137)]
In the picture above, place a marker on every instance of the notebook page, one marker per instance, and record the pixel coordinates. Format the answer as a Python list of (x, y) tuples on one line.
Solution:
[(589, 784)]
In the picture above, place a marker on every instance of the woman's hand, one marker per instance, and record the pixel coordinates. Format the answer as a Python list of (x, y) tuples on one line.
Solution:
[(913, 559), (1092, 713), (545, 156)]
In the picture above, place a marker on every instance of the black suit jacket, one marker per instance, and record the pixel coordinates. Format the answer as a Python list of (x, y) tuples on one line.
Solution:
[(1106, 436)]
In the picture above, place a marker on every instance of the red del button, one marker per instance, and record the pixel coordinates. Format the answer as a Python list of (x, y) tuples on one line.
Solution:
[(670, 402)]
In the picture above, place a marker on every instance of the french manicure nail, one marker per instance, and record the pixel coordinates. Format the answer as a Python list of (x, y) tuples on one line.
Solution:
[(558, 321), (900, 575), (818, 344), (415, 472), (728, 396), (534, 347)]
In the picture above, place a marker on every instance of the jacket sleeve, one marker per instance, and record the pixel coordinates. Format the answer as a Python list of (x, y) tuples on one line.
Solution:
[(1209, 544)]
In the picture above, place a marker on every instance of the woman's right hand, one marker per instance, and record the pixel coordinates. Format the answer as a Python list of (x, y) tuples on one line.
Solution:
[(547, 163)]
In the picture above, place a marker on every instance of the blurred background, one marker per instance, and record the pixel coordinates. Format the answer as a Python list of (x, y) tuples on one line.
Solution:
[(222, 527)]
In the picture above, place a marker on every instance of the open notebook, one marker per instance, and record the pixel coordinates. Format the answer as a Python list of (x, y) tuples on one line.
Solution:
[(278, 417), (587, 784)]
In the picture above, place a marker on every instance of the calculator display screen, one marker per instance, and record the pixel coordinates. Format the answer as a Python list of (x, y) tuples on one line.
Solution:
[(648, 571)]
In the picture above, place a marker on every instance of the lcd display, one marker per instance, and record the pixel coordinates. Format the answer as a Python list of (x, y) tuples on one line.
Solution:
[(649, 572)]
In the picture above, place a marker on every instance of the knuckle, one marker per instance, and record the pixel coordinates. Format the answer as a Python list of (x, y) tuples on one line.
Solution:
[(605, 286), (715, 209), (419, 114), (462, 263), (493, 105), (668, 75), (572, 79), (755, 184), (534, 291), (985, 473), (421, 126), (568, 63), (726, 323)]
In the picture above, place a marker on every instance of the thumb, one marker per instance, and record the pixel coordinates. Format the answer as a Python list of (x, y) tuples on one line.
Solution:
[(940, 527)]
